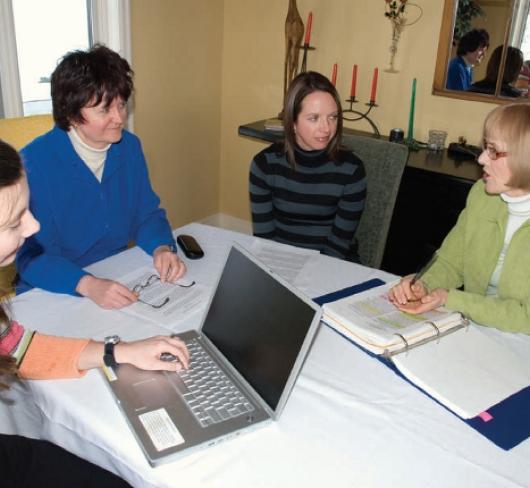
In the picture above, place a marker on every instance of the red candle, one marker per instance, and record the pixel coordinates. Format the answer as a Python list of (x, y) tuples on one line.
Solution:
[(334, 75), (374, 85), (308, 28), (353, 81)]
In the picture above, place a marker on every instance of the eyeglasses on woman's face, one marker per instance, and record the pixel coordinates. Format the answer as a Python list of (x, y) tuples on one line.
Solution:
[(492, 152)]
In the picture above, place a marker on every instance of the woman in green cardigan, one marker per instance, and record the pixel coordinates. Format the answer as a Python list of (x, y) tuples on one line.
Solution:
[(482, 268)]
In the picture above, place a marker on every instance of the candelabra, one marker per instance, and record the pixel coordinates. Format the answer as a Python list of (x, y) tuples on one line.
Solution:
[(305, 47), (361, 115)]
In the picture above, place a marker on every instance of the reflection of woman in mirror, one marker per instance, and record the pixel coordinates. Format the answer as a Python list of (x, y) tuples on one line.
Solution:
[(483, 265), (512, 68), (471, 49)]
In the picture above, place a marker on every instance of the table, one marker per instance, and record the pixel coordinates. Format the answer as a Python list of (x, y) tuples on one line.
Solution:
[(350, 421)]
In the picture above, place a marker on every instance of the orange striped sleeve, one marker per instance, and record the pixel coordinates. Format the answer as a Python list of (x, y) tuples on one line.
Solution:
[(51, 357)]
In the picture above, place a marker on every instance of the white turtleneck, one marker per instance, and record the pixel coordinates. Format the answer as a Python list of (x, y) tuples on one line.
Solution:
[(518, 214), (93, 158)]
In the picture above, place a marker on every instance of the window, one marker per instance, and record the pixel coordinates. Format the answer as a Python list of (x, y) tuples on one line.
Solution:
[(56, 35), (35, 34), (525, 41)]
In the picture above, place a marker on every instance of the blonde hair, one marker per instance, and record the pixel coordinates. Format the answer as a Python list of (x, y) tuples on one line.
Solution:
[(511, 124)]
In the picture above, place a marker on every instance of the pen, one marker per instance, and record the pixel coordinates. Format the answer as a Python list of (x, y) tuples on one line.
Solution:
[(423, 270)]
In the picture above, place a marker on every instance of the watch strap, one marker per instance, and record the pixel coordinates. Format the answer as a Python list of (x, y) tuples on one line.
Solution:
[(108, 354)]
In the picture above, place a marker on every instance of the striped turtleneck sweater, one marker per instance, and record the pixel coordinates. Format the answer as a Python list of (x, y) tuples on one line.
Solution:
[(316, 205)]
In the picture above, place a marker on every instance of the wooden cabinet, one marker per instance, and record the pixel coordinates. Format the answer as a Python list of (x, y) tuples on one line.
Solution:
[(432, 194), (427, 207)]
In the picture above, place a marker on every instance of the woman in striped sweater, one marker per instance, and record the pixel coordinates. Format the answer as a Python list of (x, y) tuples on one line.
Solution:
[(309, 192)]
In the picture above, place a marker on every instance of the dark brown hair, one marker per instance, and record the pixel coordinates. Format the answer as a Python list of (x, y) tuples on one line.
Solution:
[(473, 40), (512, 66), (11, 171), (85, 78), (303, 85)]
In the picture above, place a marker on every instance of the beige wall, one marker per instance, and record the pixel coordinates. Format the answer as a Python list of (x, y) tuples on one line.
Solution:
[(346, 32), (206, 66), (177, 47)]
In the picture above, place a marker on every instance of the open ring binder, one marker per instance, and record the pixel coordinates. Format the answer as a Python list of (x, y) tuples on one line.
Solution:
[(510, 423)]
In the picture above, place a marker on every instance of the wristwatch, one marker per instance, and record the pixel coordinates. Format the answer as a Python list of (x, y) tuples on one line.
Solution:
[(108, 354)]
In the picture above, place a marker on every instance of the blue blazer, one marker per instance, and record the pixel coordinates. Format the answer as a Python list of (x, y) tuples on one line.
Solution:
[(83, 220), (459, 75)]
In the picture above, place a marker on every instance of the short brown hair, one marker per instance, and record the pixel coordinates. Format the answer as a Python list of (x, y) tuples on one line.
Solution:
[(473, 40), (88, 77), (511, 124), (303, 85)]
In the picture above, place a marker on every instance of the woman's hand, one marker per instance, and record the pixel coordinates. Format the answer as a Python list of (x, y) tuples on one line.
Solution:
[(169, 266), (406, 291), (107, 294), (434, 299), (145, 354)]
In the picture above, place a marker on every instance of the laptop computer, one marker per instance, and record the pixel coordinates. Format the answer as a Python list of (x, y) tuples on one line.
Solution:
[(252, 342)]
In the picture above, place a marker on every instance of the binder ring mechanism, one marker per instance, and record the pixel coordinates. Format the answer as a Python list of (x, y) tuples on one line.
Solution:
[(437, 331), (388, 354), (406, 348), (464, 322)]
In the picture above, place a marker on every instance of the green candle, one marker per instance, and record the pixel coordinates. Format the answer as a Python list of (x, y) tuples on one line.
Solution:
[(410, 134)]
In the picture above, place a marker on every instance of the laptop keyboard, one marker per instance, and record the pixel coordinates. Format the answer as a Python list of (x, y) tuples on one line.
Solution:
[(211, 396)]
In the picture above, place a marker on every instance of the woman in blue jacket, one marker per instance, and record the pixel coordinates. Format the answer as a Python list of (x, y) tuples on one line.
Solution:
[(471, 50), (90, 186)]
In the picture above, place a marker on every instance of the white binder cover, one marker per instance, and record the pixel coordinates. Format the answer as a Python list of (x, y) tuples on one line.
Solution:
[(467, 371)]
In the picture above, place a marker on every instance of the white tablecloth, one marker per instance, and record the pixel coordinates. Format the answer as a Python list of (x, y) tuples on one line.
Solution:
[(350, 421)]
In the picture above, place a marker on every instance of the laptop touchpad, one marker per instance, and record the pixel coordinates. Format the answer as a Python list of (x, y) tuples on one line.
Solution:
[(151, 392)]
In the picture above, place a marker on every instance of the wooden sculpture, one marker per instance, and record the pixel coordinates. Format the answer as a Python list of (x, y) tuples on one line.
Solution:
[(294, 31)]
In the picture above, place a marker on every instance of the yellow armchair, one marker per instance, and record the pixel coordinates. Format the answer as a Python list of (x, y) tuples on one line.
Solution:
[(18, 132), (21, 130)]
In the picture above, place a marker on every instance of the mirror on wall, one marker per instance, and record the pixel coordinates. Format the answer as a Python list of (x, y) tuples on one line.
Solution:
[(484, 50)]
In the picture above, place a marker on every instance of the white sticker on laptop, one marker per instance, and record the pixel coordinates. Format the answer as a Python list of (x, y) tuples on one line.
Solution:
[(109, 373), (161, 429)]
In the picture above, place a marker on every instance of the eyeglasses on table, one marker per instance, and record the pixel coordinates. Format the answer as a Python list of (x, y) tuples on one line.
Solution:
[(148, 282)]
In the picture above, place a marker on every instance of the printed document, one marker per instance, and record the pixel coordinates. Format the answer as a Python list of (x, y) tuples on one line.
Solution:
[(371, 320), (287, 261)]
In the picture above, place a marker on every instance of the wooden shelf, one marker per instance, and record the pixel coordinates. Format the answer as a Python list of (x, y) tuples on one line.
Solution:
[(438, 162)]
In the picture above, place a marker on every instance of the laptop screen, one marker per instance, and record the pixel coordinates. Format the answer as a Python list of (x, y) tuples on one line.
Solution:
[(258, 324)]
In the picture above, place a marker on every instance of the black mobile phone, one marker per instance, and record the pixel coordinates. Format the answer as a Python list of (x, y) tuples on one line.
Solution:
[(190, 246)]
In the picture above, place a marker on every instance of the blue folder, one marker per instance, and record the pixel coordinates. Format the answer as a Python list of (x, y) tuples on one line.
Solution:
[(506, 424)]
